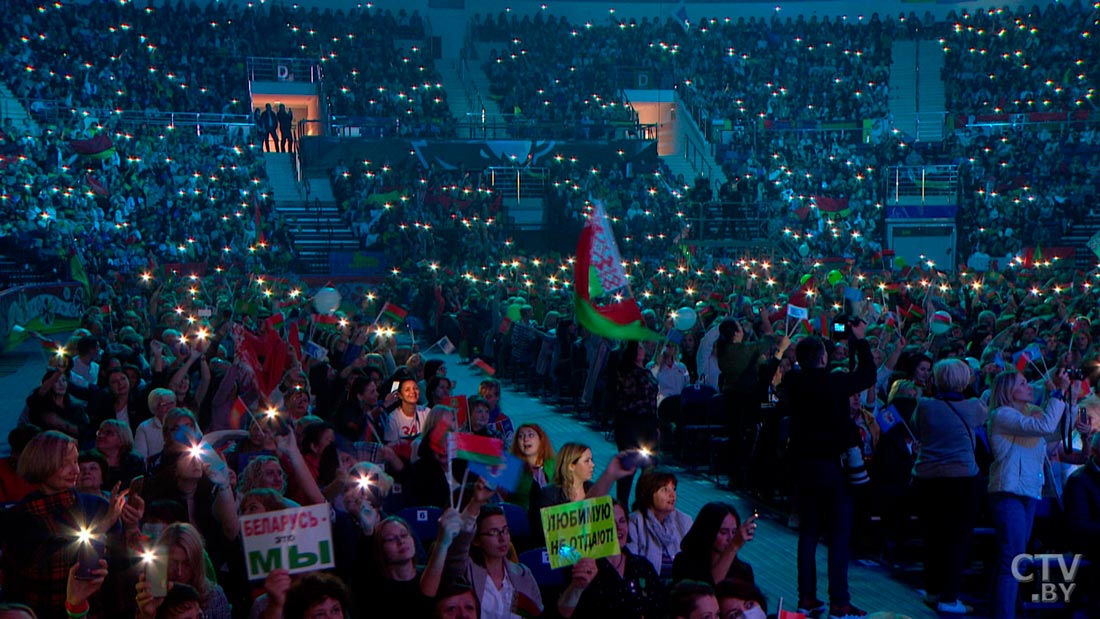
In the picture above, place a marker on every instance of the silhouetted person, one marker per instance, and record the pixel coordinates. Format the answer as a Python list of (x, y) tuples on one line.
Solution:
[(269, 124), (286, 126)]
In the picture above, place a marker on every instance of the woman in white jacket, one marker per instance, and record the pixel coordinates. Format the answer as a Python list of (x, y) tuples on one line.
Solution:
[(1017, 431)]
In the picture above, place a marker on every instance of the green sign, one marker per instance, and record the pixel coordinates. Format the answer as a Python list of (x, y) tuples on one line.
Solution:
[(580, 530)]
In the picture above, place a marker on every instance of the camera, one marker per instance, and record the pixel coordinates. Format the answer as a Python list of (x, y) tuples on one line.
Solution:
[(1076, 373), (842, 326)]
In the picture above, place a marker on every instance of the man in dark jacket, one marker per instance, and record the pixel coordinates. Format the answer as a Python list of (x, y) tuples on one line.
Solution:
[(821, 433)]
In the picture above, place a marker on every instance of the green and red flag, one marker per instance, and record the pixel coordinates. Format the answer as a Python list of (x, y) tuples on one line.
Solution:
[(476, 448), (484, 367), (97, 147), (393, 312), (601, 298)]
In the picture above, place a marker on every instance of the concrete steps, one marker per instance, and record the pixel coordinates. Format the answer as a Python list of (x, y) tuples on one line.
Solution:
[(283, 179), (11, 107)]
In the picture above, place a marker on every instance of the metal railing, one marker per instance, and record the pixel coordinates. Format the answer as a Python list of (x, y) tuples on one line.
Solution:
[(284, 70), (913, 184)]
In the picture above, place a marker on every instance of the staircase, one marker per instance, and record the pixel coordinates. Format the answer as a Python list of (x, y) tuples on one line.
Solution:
[(311, 213), (11, 107), (917, 101), (1078, 237)]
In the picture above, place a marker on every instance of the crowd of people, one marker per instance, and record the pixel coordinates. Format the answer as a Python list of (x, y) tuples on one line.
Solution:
[(176, 57), (150, 389), (199, 400)]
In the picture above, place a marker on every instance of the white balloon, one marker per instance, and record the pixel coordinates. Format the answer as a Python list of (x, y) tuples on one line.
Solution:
[(803, 250), (327, 300), (684, 319)]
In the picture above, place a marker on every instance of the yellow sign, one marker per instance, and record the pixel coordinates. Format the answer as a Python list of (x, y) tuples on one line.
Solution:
[(580, 530)]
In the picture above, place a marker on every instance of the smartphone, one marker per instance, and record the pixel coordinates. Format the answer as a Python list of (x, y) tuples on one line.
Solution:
[(395, 386), (88, 556), (137, 485), (634, 459), (156, 572), (1082, 414)]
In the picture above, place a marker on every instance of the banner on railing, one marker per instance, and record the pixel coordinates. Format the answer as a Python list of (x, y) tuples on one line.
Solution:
[(43, 308)]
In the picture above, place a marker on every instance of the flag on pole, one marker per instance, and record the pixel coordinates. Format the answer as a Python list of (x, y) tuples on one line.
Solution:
[(484, 367), (504, 476), (393, 312), (237, 414), (475, 448), (446, 345), (598, 271), (887, 418), (796, 312), (98, 147), (77, 272)]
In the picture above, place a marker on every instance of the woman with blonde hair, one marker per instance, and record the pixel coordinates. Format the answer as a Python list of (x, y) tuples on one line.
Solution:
[(182, 546), (572, 480), (40, 551), (1020, 470)]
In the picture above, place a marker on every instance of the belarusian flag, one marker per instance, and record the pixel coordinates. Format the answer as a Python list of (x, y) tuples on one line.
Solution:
[(476, 448), (237, 414), (98, 147), (598, 271), (484, 367), (394, 312)]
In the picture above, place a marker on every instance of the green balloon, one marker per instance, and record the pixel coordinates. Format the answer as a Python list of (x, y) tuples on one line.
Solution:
[(805, 278), (834, 277)]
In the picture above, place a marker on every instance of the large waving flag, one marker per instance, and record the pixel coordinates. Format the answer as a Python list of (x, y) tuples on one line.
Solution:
[(599, 273), (98, 147)]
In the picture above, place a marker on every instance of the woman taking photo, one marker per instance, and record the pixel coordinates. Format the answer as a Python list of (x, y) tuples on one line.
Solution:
[(636, 425), (656, 526), (622, 586), (182, 546), (709, 551), (946, 473), (38, 559), (1019, 471), (533, 447)]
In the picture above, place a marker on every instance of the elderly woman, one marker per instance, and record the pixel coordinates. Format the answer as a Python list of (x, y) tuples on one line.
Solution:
[(948, 427), (37, 560), (1019, 471), (149, 437), (656, 526)]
